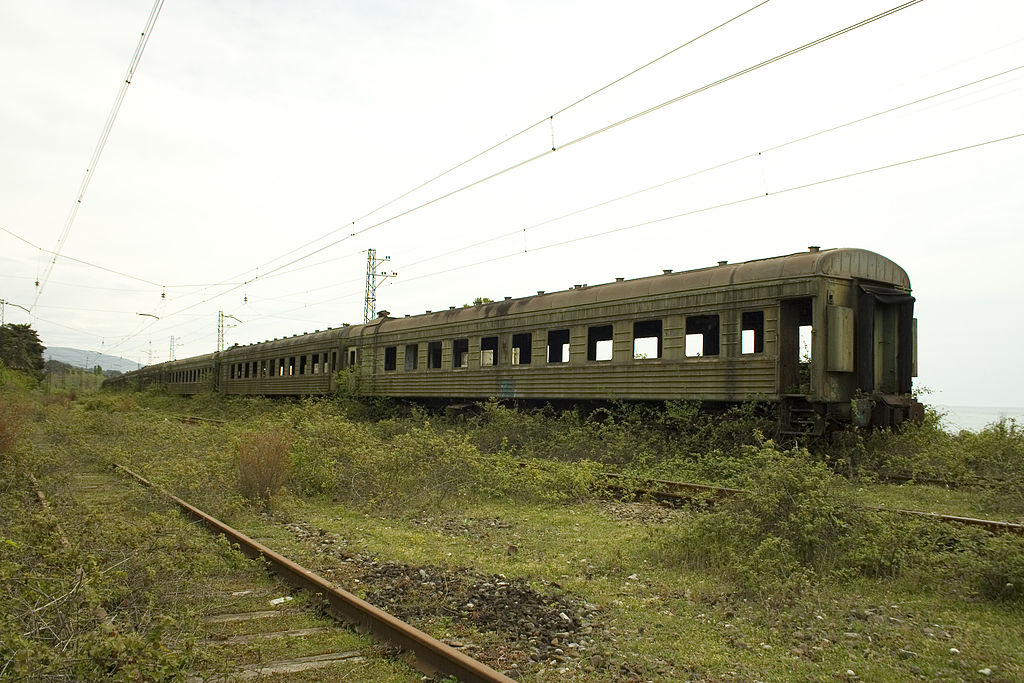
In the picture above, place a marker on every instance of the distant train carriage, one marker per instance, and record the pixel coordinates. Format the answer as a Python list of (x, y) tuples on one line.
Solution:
[(828, 336)]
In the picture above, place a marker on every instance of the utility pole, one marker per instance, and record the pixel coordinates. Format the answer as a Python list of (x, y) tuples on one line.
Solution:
[(220, 328), (373, 280), (4, 303), (150, 352)]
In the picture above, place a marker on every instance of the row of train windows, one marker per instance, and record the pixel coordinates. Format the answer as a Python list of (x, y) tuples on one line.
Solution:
[(183, 376), (290, 366), (702, 339)]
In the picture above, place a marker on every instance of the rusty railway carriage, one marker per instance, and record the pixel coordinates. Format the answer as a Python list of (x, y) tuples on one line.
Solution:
[(829, 336)]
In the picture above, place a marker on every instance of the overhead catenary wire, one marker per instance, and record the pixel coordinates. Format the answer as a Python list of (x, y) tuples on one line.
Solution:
[(100, 144), (514, 136), (747, 156), (663, 219), (714, 207), (112, 271), (714, 167), (589, 135), (280, 273)]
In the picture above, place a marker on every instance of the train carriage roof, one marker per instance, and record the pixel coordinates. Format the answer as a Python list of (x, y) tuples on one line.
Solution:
[(837, 263)]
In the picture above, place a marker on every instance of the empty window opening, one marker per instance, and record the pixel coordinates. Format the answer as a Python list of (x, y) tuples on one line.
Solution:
[(460, 353), (647, 339), (263, 368), (334, 359), (232, 372), (246, 371), (302, 364), (281, 367), (291, 366), (316, 363), (701, 335), (521, 348), (558, 346), (488, 351), (599, 342), (434, 355), (752, 332), (390, 358), (351, 357), (412, 356)]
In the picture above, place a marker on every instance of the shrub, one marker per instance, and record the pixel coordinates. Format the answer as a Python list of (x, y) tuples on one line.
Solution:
[(792, 524), (262, 464)]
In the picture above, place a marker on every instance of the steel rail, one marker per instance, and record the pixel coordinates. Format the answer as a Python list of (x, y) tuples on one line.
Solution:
[(431, 655), (681, 490)]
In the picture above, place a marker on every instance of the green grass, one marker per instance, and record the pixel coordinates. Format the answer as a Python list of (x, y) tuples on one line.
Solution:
[(798, 586)]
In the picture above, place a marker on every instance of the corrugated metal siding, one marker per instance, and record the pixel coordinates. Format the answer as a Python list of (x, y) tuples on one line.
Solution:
[(714, 379)]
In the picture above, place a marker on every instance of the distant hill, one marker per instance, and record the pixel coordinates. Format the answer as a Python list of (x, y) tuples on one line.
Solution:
[(88, 359)]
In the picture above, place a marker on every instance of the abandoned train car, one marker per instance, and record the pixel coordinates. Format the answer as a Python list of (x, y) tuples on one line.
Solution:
[(829, 336)]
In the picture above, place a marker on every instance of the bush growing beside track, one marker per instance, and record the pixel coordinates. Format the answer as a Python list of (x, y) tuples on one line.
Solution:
[(415, 466), (262, 465), (798, 525)]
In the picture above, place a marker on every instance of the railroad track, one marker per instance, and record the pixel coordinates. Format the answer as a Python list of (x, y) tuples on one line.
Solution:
[(431, 655), (675, 492), (249, 623)]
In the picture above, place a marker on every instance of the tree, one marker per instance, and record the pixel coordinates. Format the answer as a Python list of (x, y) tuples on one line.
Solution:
[(20, 349)]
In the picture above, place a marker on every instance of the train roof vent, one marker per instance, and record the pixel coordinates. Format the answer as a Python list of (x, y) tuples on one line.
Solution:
[(619, 279), (722, 263), (539, 292), (383, 314), (667, 271), (451, 308), (508, 298), (814, 250)]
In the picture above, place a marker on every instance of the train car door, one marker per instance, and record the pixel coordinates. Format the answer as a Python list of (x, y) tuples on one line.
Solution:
[(884, 353), (796, 318)]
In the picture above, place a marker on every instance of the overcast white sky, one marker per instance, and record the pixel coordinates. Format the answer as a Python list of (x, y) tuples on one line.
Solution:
[(253, 129)]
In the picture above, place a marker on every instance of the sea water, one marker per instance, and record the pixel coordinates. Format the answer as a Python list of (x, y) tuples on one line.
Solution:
[(976, 418)]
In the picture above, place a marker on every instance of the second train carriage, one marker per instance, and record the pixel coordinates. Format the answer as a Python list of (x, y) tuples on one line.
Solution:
[(826, 335)]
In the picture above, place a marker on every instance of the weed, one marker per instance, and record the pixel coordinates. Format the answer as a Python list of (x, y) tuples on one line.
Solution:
[(262, 464)]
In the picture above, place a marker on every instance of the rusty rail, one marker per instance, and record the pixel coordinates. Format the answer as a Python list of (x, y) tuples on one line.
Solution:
[(662, 489), (431, 655)]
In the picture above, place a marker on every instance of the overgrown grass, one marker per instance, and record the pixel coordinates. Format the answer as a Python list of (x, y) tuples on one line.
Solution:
[(787, 553)]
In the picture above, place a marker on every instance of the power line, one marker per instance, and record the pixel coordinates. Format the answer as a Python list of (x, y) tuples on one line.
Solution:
[(522, 132), (604, 129), (714, 167), (714, 207), (104, 135), (582, 138), (112, 271)]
